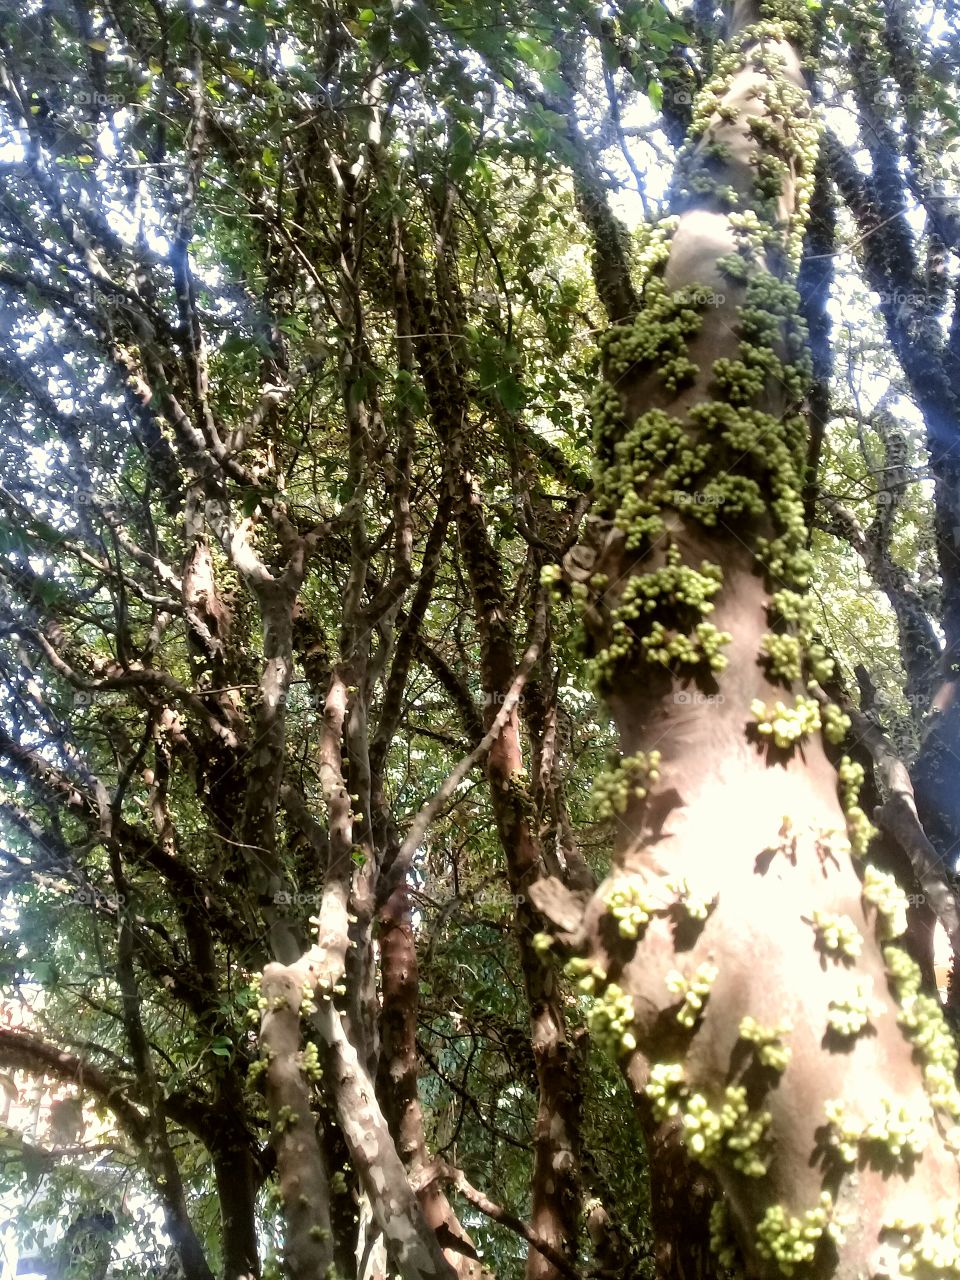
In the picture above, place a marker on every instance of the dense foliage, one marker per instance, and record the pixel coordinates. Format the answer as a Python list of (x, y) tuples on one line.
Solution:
[(301, 318)]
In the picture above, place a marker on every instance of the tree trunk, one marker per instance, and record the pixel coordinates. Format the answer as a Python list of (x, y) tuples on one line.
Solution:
[(398, 1074), (236, 1182), (555, 1186), (681, 1197), (555, 1191), (734, 954), (302, 1177)]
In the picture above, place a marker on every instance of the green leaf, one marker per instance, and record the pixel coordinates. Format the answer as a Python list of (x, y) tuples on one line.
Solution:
[(36, 1163), (489, 368), (179, 29), (510, 393), (44, 973), (536, 55), (235, 344), (249, 502), (677, 31), (461, 150), (412, 37), (610, 54), (554, 83), (633, 17), (378, 42), (255, 34)]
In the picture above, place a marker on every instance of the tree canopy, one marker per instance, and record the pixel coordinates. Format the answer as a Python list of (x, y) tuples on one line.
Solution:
[(479, 624)]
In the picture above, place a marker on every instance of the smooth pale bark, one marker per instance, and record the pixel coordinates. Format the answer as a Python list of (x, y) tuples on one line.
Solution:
[(412, 1246), (759, 829), (395, 1211), (303, 1180)]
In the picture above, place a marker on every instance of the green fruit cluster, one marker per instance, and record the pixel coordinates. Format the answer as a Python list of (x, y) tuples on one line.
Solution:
[(769, 1041)]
